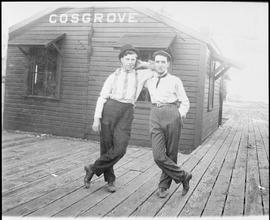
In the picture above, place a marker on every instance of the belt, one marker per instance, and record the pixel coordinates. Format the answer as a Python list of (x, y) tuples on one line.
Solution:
[(163, 104)]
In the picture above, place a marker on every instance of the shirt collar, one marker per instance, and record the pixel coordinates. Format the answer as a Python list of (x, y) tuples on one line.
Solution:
[(162, 75), (123, 71)]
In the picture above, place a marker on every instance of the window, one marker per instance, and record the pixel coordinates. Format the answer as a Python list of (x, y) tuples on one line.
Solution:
[(145, 55), (211, 89), (43, 72), (44, 57)]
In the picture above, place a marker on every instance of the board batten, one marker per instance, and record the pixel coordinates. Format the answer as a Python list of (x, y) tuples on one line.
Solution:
[(104, 61), (210, 118), (66, 116)]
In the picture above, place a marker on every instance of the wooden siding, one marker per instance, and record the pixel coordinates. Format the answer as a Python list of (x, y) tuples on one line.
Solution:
[(104, 60), (82, 79), (64, 117), (210, 118), (200, 96)]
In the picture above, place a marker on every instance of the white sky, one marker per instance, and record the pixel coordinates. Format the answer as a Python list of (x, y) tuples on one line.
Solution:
[(240, 30)]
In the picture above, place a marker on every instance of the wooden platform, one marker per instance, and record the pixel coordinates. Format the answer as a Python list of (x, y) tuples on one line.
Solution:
[(43, 175)]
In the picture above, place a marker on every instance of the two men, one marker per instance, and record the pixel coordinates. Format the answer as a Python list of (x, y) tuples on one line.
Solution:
[(114, 115)]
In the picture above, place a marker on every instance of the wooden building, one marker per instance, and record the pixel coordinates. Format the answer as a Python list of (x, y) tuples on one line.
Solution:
[(58, 61)]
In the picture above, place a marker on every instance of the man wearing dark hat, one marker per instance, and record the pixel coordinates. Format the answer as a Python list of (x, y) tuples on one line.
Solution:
[(169, 105), (114, 114)]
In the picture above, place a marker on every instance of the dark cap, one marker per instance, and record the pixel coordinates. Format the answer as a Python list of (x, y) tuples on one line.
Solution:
[(164, 53), (126, 48)]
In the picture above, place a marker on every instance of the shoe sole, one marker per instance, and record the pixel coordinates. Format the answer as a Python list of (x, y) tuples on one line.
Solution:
[(184, 192), (162, 196), (86, 181), (111, 191)]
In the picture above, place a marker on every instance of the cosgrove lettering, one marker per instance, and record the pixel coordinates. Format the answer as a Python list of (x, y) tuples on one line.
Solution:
[(96, 18)]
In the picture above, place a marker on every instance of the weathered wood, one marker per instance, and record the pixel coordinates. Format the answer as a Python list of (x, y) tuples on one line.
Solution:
[(96, 196), (19, 140), (19, 187), (106, 205), (234, 205), (176, 202), (253, 198), (199, 102), (219, 192), (196, 203), (71, 187), (46, 185), (219, 172), (210, 119), (26, 163), (265, 136), (7, 138), (128, 206), (263, 169)]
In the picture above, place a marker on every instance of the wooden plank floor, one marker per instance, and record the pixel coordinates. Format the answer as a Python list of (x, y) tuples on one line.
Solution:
[(43, 175)]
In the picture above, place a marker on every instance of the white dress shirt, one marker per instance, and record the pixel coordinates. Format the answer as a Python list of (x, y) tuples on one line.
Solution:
[(122, 86), (170, 89)]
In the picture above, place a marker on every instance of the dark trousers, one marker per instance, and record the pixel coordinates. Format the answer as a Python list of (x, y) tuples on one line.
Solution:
[(114, 137), (165, 128)]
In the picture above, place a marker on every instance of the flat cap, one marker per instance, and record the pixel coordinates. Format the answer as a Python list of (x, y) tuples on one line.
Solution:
[(164, 53), (126, 48)]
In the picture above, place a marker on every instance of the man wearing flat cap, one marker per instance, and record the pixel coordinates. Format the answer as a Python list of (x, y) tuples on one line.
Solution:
[(170, 105), (114, 114)]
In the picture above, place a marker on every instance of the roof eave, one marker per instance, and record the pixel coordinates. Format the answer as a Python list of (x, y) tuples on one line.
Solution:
[(31, 19)]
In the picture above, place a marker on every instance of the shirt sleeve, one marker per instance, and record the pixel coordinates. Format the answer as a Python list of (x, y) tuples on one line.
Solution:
[(143, 76), (182, 97), (104, 95)]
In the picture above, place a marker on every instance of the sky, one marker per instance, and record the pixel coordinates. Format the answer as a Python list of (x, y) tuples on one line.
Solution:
[(240, 29)]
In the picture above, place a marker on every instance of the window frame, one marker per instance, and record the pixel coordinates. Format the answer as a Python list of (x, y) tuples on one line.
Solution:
[(151, 51), (211, 85), (58, 77)]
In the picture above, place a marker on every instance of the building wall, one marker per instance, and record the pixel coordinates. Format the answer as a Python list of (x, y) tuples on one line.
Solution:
[(104, 61), (210, 118), (82, 78), (64, 117)]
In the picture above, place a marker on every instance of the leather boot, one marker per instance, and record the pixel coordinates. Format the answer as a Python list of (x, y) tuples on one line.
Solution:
[(186, 183), (111, 187), (88, 176), (162, 192)]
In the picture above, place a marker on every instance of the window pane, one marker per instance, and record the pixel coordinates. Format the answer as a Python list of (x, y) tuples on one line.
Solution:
[(51, 73), (42, 72), (144, 95), (146, 55), (38, 73)]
